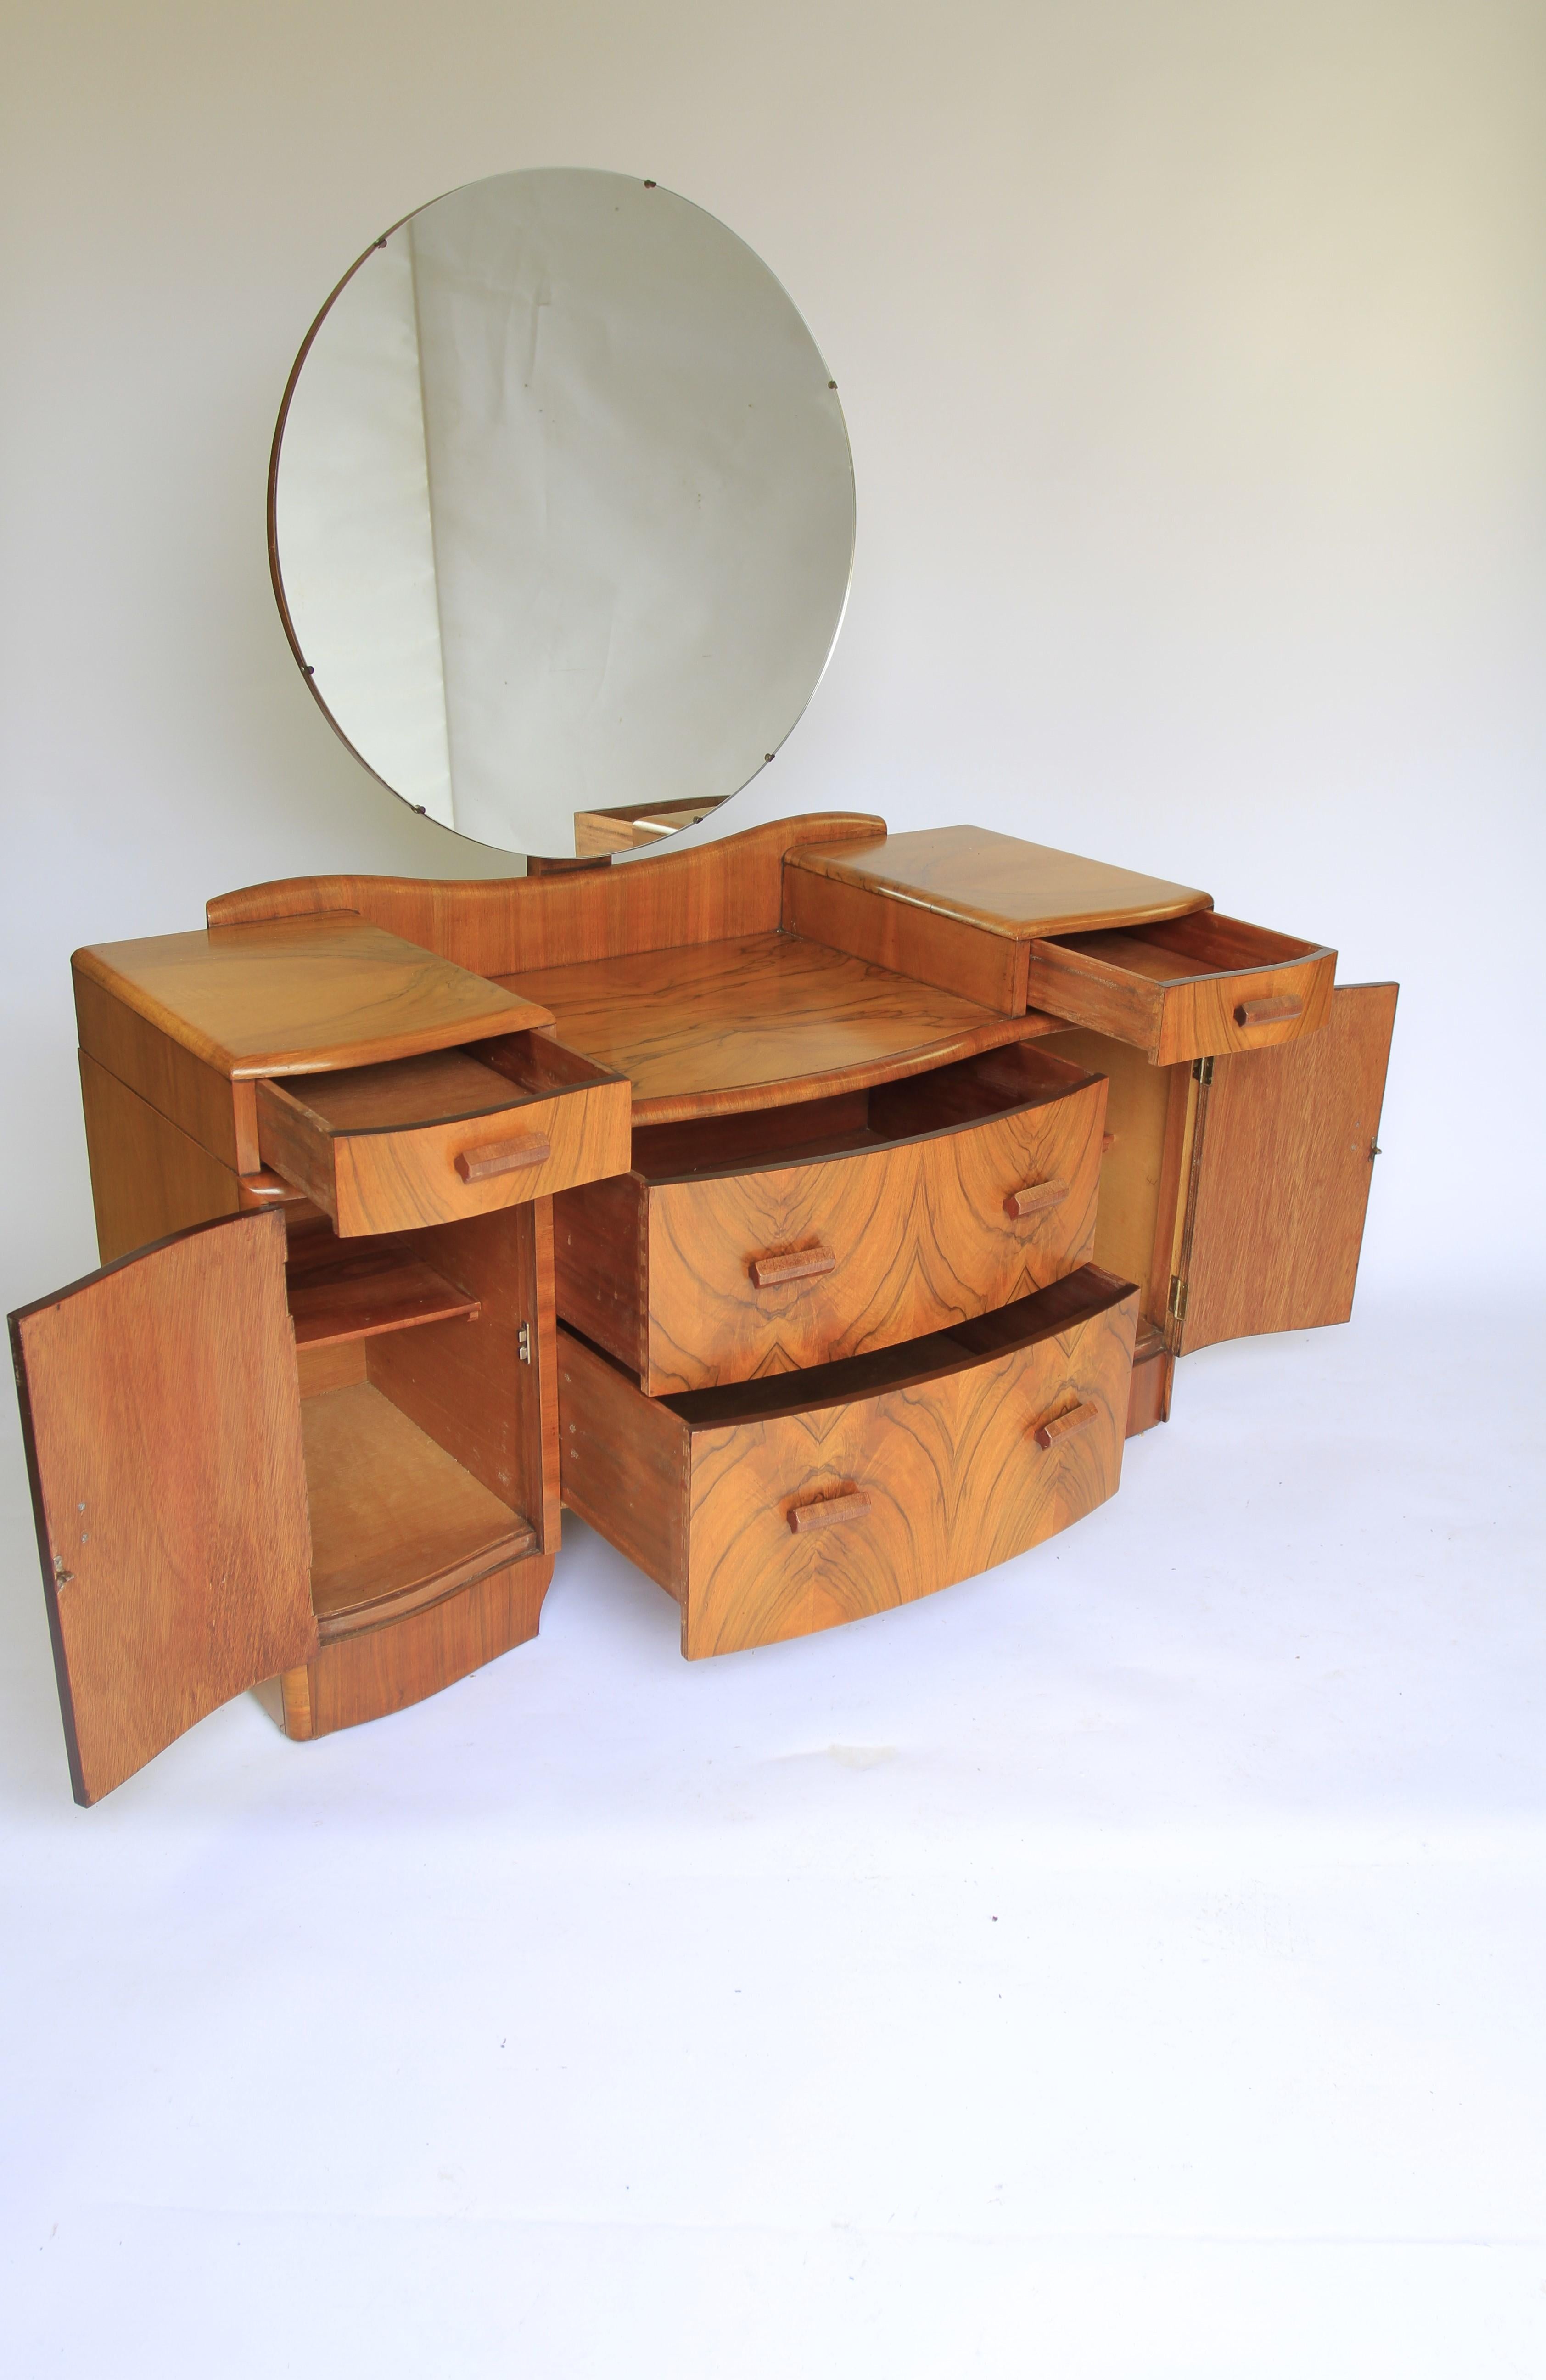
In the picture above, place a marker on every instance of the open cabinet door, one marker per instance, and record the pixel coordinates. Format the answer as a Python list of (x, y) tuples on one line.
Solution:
[(160, 1408), (1282, 1150)]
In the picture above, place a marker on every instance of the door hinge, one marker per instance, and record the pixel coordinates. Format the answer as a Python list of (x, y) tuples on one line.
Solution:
[(1178, 1298), (523, 1344), (1202, 1070)]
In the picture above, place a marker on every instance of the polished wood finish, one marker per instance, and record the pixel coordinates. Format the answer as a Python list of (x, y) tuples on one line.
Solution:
[(501, 1157), (430, 1437), (1005, 887), (955, 953), (1195, 987), (718, 893), (827, 1512), (1142, 1174), (1153, 1366), (428, 1139), (375, 1671), (217, 1113), (396, 1520), (335, 1364), (1038, 1197), (485, 1391), (795, 1264), (148, 1178), (826, 1188), (1269, 1012), (895, 1222), (1063, 1424), (300, 995), (338, 1294), (765, 1022), (939, 1436), (162, 1419), (1284, 1152)]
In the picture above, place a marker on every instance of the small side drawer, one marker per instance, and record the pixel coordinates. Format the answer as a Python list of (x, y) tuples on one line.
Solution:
[(1195, 987), (763, 1242), (433, 1139), (777, 1506)]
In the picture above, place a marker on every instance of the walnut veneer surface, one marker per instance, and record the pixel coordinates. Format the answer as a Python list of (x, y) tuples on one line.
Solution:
[(998, 883), (825, 1207), (300, 995), (163, 1434), (944, 1457), (759, 1021)]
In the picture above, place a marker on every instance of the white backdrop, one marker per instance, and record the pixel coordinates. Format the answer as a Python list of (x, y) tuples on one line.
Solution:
[(1194, 359)]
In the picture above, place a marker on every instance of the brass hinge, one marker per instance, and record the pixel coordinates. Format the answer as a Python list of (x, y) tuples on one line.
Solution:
[(1178, 1298), (523, 1344), (1202, 1070)]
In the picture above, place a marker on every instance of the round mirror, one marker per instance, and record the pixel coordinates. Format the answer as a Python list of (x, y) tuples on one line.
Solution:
[(560, 512)]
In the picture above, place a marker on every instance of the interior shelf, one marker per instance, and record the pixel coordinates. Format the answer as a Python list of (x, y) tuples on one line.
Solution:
[(337, 1294), (396, 1520)]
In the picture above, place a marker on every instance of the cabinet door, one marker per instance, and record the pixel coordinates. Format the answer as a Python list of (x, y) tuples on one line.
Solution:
[(161, 1409), (1283, 1153)]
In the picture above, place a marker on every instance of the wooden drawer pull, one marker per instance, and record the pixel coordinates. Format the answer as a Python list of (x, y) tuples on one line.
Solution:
[(791, 1264), (1276, 1010), (1047, 1433), (503, 1157), (825, 1511), (1036, 1198)]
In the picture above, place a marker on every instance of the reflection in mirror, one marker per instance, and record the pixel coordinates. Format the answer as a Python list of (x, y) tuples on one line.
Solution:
[(562, 512)]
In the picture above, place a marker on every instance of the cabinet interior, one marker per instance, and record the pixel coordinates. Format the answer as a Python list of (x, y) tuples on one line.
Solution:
[(418, 1412)]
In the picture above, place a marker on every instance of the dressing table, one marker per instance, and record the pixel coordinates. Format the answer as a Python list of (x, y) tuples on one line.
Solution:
[(813, 1210)]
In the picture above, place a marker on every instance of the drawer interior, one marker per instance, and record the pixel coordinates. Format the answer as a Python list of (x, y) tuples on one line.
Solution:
[(420, 1419), (996, 1082), (1179, 950), (1044, 1315), (443, 1085)]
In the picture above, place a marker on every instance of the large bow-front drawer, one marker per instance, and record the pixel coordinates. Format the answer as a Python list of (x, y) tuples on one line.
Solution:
[(776, 1507), (437, 1138), (763, 1242)]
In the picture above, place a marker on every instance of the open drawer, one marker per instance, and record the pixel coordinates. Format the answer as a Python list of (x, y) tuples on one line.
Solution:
[(437, 1138), (777, 1506), (1194, 987), (767, 1241)]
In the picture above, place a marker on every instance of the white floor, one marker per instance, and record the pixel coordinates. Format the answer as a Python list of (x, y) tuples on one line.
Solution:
[(1130, 1964)]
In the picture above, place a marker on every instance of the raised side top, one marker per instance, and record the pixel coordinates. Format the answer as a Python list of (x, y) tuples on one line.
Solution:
[(998, 883), (506, 925), (302, 995)]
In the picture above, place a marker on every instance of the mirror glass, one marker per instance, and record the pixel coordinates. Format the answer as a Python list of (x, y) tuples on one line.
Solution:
[(561, 511)]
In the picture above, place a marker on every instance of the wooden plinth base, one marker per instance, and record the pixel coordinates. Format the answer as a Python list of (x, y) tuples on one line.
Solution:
[(378, 1670), (1149, 1395)]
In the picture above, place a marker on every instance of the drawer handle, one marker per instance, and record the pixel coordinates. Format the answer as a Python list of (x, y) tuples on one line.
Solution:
[(1036, 1198), (503, 1157), (1047, 1433), (1276, 1010), (825, 1511), (791, 1264)]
